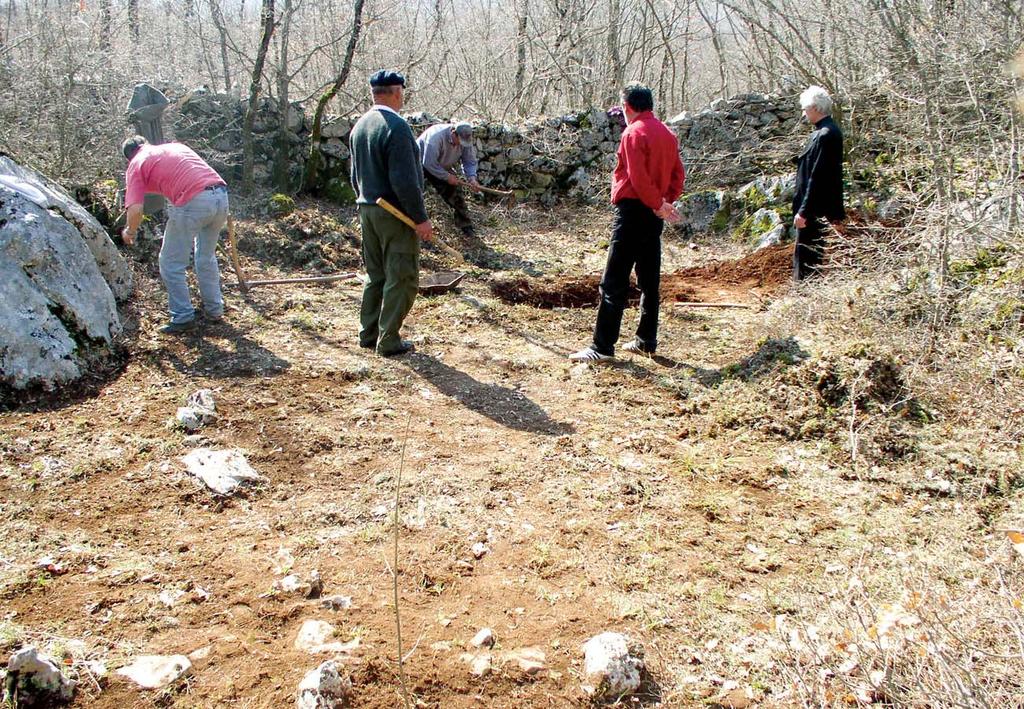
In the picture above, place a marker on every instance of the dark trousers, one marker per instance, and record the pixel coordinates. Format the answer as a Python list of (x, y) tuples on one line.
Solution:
[(809, 250), (636, 242), (452, 195)]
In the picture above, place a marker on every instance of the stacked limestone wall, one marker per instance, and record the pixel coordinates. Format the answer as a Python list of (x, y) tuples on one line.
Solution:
[(567, 155)]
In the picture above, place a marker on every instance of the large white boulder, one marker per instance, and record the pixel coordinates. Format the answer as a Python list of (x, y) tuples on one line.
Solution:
[(60, 278)]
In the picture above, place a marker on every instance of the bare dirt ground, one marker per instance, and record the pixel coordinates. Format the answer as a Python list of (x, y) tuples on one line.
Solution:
[(685, 500)]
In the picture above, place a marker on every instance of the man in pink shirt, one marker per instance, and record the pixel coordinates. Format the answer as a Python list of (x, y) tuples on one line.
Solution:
[(648, 178), (196, 215)]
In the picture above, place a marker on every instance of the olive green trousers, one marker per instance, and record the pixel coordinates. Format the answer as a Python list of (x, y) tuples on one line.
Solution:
[(391, 256)]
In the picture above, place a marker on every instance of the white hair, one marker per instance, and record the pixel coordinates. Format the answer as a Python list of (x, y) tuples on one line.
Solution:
[(817, 98)]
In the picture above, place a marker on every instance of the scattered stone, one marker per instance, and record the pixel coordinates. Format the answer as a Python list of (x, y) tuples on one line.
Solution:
[(293, 583), (155, 671), (170, 597), (34, 680), (51, 566), (336, 603), (479, 665), (611, 667), (326, 687), (315, 637), (479, 550), (529, 659), (221, 470), (737, 698), (199, 410), (484, 638)]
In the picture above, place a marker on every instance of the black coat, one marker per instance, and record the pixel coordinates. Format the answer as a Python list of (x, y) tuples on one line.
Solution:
[(819, 174)]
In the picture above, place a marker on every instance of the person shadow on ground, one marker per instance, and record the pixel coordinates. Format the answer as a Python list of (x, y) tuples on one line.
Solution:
[(205, 355), (503, 405)]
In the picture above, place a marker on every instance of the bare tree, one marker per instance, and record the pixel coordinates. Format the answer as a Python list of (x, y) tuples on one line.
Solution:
[(255, 84), (314, 163)]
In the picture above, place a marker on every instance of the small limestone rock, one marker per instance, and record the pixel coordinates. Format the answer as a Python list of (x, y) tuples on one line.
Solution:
[(484, 638), (479, 665), (611, 668), (529, 659), (479, 550), (292, 583), (155, 671), (336, 603), (315, 637), (221, 470), (35, 680), (199, 410), (326, 687)]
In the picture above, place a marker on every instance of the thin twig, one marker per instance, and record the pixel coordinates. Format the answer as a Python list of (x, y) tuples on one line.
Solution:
[(394, 567)]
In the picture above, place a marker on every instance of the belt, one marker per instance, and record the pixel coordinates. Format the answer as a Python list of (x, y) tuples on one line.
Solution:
[(214, 188)]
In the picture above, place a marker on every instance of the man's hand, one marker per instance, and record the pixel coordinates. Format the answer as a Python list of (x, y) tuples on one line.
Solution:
[(133, 221), (474, 185), (799, 221), (667, 212), (453, 179), (425, 230)]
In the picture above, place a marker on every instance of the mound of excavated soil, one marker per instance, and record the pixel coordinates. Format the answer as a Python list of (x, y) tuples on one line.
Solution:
[(764, 269)]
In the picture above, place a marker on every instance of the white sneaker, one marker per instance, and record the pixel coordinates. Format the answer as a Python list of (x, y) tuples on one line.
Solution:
[(589, 354)]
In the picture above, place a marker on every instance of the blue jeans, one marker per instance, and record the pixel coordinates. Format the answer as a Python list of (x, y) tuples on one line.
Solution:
[(194, 225)]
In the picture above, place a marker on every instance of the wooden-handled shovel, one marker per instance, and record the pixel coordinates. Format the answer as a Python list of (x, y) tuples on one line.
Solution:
[(402, 217)]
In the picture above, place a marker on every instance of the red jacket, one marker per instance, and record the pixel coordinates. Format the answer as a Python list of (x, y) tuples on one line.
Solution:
[(649, 167)]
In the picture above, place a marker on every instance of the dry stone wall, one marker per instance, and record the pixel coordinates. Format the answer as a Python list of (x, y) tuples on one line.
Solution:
[(545, 159)]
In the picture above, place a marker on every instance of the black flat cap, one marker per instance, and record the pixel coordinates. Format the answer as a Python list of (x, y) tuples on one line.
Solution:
[(387, 78)]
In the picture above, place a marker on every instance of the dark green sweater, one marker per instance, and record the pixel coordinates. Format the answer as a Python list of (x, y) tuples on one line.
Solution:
[(386, 163)]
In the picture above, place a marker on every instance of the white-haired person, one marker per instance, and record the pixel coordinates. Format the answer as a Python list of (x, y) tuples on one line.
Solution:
[(819, 182)]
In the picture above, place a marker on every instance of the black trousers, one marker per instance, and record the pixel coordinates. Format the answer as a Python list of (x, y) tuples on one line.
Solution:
[(636, 242), (452, 195), (809, 250)]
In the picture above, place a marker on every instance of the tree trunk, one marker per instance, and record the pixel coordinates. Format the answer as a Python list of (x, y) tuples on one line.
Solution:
[(521, 58), (106, 20), (133, 19), (267, 21), (617, 72), (282, 144), (314, 162), (218, 20)]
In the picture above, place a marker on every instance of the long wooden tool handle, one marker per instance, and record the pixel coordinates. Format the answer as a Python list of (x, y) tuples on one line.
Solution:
[(402, 217), (233, 254), (489, 190), (395, 212), (307, 279)]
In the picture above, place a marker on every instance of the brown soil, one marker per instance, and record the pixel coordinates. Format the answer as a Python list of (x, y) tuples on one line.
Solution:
[(643, 498), (740, 280)]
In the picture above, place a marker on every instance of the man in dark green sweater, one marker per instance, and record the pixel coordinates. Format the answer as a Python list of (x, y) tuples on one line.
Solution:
[(386, 163)]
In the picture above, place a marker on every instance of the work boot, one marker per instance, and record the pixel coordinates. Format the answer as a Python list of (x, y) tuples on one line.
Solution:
[(178, 328), (404, 347)]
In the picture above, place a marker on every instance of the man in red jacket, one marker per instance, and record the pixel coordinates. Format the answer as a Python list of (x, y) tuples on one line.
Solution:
[(648, 178)]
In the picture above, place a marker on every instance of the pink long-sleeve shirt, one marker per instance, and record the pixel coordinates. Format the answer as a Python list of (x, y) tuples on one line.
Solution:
[(170, 169)]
